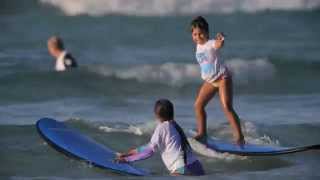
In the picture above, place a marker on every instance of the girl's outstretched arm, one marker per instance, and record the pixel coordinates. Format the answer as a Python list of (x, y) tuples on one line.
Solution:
[(143, 152), (140, 153)]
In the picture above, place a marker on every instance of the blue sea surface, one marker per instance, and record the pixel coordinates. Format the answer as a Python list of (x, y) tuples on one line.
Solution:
[(130, 53)]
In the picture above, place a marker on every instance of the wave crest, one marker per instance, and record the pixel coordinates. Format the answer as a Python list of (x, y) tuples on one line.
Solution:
[(175, 7), (174, 74), (256, 70)]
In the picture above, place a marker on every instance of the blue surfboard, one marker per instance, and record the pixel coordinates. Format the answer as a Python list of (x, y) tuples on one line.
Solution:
[(252, 149), (71, 142), (256, 150)]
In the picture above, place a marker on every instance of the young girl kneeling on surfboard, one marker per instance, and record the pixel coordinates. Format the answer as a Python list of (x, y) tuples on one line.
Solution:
[(171, 141), (216, 78)]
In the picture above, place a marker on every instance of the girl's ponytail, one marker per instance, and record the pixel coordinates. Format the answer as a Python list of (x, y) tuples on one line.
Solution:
[(184, 142)]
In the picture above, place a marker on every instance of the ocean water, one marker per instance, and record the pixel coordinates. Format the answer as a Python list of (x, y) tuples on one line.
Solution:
[(133, 52)]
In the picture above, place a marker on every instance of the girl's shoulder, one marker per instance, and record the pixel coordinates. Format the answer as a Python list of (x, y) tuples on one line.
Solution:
[(211, 42), (162, 125), (161, 129)]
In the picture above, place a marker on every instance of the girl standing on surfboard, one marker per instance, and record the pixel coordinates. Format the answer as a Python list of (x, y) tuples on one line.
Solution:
[(171, 141), (217, 78)]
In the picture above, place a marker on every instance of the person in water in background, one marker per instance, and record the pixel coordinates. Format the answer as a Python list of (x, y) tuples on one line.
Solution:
[(170, 139), (64, 60), (217, 78)]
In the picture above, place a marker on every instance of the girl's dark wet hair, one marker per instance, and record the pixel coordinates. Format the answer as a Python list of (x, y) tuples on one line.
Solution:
[(201, 23), (165, 110)]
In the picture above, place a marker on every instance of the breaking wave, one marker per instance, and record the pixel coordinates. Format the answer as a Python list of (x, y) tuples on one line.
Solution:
[(175, 7)]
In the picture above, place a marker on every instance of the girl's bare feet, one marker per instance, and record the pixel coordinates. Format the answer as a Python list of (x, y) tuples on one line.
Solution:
[(201, 138), (240, 140)]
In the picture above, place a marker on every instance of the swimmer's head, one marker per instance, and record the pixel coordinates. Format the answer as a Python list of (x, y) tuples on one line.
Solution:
[(55, 45), (199, 30), (163, 109)]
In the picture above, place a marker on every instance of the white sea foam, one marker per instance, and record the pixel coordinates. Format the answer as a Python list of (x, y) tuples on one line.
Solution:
[(249, 129), (246, 71), (139, 129), (205, 151), (175, 7), (253, 136), (250, 132), (174, 74), (131, 129)]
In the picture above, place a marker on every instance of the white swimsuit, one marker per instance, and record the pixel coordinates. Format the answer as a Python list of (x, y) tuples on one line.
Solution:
[(210, 63), (65, 61), (60, 62)]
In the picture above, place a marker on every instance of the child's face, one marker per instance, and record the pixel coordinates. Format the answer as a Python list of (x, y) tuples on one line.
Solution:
[(199, 36), (51, 48)]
